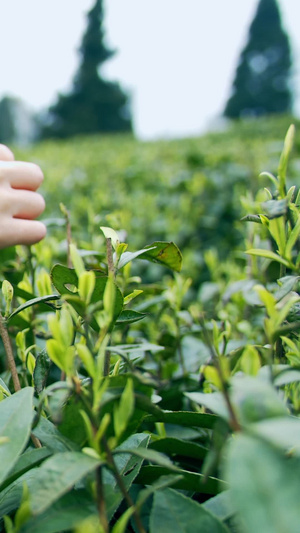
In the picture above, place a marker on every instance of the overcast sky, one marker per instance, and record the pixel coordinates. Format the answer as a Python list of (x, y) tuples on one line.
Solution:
[(177, 58)]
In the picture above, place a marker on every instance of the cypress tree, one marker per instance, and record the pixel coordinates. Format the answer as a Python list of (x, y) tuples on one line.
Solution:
[(94, 105), (262, 81)]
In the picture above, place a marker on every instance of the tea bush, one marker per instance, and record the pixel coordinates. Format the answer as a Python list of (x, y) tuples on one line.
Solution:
[(136, 400)]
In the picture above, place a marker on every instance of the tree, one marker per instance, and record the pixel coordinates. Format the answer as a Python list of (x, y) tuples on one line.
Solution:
[(94, 104), (17, 124), (262, 81)]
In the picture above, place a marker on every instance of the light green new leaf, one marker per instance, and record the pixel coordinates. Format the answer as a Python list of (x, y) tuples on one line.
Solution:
[(173, 511), (269, 255), (110, 233), (16, 413), (294, 235), (283, 163), (123, 411)]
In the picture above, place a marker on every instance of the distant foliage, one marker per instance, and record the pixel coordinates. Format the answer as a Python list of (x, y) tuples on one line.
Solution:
[(94, 105), (262, 81), (17, 124)]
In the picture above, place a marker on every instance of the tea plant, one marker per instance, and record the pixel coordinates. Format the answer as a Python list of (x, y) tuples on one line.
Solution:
[(133, 406)]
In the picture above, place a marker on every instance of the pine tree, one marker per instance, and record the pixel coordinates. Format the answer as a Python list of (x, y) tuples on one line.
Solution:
[(94, 104), (262, 81)]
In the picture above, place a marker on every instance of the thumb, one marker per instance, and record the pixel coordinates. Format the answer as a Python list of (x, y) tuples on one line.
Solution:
[(5, 153)]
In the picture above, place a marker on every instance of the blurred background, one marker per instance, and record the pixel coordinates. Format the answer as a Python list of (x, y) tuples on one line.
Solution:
[(175, 61)]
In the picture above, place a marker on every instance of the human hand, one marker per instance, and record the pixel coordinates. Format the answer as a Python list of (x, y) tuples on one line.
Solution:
[(20, 204)]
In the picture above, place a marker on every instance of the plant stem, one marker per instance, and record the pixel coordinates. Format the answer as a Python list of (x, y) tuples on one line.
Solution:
[(9, 354), (122, 487), (101, 501), (109, 253)]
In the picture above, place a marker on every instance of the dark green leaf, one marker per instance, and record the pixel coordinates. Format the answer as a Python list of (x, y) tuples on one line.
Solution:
[(190, 480), (221, 505), (41, 371), (185, 418), (128, 317), (58, 475), (151, 455), (172, 511), (172, 446), (275, 208), (34, 301), (63, 515), (164, 253), (128, 466), (47, 433), (16, 413), (264, 485), (252, 218), (31, 458)]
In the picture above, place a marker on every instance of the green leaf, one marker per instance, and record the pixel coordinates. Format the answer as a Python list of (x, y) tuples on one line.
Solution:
[(31, 458), (33, 301), (264, 485), (152, 456), (172, 511), (173, 446), (185, 418), (213, 401), (283, 163), (63, 276), (251, 218), (221, 505), (16, 413), (109, 233), (41, 371), (127, 257), (76, 260), (164, 253), (275, 208), (124, 410), (129, 317), (269, 255), (63, 515), (283, 432), (293, 237), (47, 433), (11, 495), (189, 480), (128, 466), (289, 375), (57, 476), (121, 525)]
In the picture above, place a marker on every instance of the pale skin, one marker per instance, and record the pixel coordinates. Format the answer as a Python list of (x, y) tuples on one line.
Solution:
[(20, 204)]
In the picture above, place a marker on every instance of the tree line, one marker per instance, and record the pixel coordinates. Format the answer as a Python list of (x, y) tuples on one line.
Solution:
[(261, 86)]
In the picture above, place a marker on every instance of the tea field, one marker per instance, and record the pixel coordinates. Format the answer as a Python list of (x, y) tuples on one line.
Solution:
[(150, 355)]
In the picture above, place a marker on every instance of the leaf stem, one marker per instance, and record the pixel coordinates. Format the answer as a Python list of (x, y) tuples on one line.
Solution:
[(101, 500), (109, 253), (9, 354)]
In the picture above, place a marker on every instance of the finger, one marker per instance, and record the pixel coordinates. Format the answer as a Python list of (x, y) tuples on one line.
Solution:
[(5, 153), (26, 204), (17, 231), (21, 175)]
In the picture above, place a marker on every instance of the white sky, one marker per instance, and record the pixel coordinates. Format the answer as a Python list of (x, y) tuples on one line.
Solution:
[(176, 57)]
